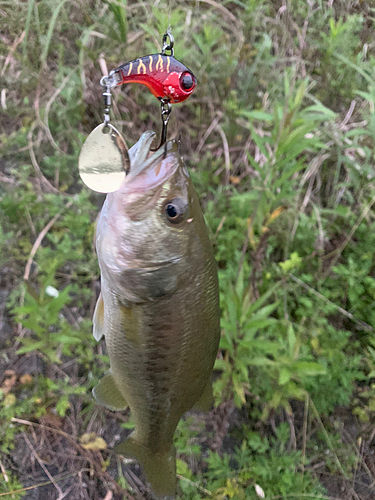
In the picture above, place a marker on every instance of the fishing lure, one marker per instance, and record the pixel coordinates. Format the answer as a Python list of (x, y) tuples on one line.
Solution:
[(166, 77), (104, 161), (163, 75)]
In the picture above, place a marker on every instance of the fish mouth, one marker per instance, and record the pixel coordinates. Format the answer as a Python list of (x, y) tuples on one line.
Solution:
[(140, 151), (149, 168)]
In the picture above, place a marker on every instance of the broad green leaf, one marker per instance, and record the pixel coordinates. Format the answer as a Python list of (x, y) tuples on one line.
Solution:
[(320, 112), (267, 346), (284, 376), (220, 364), (182, 468), (257, 115), (308, 368), (261, 362), (263, 298), (66, 339), (34, 346)]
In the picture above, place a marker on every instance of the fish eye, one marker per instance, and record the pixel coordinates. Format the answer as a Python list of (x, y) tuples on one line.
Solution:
[(175, 210), (187, 80)]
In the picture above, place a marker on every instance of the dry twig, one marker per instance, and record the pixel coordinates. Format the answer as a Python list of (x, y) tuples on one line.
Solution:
[(35, 486), (45, 124), (226, 152), (223, 9), (95, 464), (362, 324), (32, 449), (43, 181), (212, 126), (4, 472), (34, 249), (341, 248), (40, 238), (12, 49)]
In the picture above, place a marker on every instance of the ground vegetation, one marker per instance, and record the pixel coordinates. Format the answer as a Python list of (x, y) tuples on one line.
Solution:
[(279, 139)]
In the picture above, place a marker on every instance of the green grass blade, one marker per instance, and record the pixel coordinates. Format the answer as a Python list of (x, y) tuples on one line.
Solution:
[(51, 27), (118, 9), (30, 7)]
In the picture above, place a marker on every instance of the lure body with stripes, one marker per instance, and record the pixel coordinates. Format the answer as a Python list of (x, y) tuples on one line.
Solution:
[(159, 306), (165, 76)]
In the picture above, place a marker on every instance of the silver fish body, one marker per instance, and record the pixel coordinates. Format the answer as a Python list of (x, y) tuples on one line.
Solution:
[(159, 306)]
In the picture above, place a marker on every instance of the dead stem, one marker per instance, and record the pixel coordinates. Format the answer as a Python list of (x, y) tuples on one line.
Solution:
[(304, 433), (32, 449), (39, 485), (349, 315), (212, 126), (328, 440), (34, 249), (341, 248), (45, 123), (12, 49), (86, 454), (4, 472), (221, 224), (40, 237), (43, 181), (226, 152)]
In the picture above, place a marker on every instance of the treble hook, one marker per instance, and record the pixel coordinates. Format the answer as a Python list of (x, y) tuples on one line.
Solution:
[(166, 108)]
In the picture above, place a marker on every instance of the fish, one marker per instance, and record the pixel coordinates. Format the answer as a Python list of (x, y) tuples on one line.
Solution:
[(165, 76), (158, 309)]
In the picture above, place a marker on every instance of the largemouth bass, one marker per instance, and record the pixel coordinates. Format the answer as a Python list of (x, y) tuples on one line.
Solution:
[(158, 308)]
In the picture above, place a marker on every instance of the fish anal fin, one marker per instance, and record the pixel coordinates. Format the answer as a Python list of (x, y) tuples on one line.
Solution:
[(98, 319), (159, 468), (107, 394), (206, 401)]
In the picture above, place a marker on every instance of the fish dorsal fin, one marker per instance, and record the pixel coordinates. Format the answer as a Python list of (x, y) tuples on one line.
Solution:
[(107, 394), (98, 319)]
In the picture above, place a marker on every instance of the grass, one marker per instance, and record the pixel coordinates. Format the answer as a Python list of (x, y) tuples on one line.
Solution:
[(279, 138)]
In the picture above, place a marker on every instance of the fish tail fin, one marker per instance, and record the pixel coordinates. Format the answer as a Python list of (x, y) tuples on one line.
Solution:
[(159, 468)]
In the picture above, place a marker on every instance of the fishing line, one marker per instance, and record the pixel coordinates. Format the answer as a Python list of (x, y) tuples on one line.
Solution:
[(169, 16)]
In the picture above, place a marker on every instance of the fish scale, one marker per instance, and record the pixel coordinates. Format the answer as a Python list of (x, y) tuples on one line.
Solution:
[(159, 307)]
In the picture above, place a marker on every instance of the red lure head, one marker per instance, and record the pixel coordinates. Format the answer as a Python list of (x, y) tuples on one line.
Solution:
[(166, 77)]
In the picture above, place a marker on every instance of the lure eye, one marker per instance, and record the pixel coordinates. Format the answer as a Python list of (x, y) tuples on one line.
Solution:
[(187, 81), (175, 210)]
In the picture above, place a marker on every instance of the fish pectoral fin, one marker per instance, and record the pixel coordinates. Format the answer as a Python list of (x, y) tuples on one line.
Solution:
[(206, 401), (98, 319), (159, 468), (107, 394)]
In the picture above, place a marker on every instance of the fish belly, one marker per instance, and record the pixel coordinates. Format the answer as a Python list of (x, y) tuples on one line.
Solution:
[(161, 356), (161, 367)]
